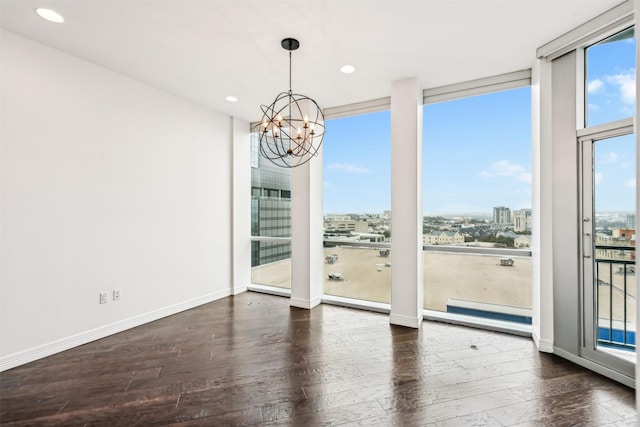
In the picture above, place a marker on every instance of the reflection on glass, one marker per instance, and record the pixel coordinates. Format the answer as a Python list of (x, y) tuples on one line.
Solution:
[(614, 243), (611, 79), (481, 285)]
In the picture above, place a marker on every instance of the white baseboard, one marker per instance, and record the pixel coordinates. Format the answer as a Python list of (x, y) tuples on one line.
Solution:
[(35, 353), (602, 370), (239, 289), (402, 320), (270, 290), (304, 303), (316, 301), (544, 345)]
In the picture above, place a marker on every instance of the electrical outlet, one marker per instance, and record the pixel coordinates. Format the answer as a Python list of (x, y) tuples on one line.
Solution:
[(116, 295), (104, 297)]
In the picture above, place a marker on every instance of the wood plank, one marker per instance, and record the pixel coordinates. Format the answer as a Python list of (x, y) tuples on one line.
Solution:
[(253, 360)]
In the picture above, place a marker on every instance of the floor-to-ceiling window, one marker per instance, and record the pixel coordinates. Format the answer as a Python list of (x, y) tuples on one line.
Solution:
[(477, 205), (357, 202), (270, 221)]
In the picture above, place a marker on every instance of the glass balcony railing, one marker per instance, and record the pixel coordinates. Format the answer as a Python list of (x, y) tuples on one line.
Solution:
[(616, 296)]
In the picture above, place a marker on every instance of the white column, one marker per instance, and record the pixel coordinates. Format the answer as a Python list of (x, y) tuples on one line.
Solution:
[(241, 215), (306, 234), (542, 189), (407, 286)]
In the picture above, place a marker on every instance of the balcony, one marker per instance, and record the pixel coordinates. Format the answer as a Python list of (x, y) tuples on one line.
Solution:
[(616, 297)]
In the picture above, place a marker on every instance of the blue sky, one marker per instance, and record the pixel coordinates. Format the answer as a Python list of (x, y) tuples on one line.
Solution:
[(611, 95), (477, 151)]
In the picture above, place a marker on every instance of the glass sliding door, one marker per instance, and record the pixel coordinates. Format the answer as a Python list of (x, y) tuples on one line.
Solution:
[(608, 218), (608, 246)]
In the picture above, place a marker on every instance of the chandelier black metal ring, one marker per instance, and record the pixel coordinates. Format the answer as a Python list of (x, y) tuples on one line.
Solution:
[(292, 127)]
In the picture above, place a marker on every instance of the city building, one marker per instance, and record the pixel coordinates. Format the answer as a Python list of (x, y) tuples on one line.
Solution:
[(522, 220), (628, 233), (501, 215), (616, 246), (270, 208), (371, 237), (631, 221), (442, 238), (127, 166), (346, 225), (333, 217)]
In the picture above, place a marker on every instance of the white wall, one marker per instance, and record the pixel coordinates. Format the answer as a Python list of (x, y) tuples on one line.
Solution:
[(106, 184), (241, 236)]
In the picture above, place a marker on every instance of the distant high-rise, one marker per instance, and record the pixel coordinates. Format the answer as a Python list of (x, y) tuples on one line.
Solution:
[(522, 220), (270, 208), (501, 215), (631, 221)]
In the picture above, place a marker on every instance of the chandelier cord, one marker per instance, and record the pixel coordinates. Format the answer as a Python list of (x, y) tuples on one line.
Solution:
[(290, 98), (290, 90)]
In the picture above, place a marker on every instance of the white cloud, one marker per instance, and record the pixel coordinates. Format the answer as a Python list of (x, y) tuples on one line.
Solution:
[(597, 178), (506, 168), (503, 168), (610, 157), (524, 177), (631, 183), (594, 85), (626, 85), (345, 167)]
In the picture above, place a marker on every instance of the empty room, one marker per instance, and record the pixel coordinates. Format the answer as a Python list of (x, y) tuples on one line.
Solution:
[(320, 212)]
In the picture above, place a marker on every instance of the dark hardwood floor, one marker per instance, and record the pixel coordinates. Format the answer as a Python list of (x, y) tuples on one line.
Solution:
[(253, 360)]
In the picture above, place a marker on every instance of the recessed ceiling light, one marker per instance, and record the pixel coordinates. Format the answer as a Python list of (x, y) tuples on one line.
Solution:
[(50, 15), (231, 99), (348, 69)]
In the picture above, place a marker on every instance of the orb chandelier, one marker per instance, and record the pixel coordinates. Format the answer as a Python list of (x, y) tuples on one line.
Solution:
[(292, 127)]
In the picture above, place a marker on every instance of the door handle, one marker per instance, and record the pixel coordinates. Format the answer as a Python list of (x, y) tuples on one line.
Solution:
[(586, 249)]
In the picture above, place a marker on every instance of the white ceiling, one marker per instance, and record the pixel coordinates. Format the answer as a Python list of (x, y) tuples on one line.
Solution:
[(204, 50)]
